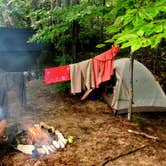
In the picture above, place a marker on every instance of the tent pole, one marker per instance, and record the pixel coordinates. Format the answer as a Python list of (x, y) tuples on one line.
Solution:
[(131, 87)]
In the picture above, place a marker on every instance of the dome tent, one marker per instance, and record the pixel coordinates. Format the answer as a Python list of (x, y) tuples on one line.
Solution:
[(148, 95)]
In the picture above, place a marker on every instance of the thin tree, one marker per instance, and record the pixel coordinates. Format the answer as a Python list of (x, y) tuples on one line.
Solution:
[(75, 32)]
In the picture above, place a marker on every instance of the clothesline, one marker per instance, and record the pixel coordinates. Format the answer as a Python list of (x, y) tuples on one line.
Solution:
[(85, 75)]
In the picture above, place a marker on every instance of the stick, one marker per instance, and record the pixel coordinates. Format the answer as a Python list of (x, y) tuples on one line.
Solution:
[(143, 134), (86, 94), (108, 159)]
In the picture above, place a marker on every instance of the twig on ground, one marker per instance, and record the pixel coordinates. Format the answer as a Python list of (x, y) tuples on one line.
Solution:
[(143, 134), (109, 159)]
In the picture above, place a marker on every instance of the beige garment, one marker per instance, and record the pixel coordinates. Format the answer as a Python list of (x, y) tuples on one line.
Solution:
[(82, 76)]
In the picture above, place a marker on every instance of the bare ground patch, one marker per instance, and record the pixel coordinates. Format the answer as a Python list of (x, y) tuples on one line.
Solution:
[(100, 137)]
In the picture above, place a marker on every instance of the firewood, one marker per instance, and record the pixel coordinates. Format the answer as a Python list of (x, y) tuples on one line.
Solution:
[(143, 134), (45, 126)]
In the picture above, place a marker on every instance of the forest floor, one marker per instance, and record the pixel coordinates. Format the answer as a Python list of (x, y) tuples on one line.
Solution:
[(100, 138)]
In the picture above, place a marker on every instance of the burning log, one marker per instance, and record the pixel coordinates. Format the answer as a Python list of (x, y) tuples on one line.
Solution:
[(36, 140), (37, 135)]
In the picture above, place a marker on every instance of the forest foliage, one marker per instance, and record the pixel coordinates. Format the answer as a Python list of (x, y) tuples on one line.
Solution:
[(131, 23), (80, 29)]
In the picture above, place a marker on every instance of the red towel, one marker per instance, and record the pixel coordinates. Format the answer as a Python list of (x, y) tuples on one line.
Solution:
[(57, 74), (104, 65)]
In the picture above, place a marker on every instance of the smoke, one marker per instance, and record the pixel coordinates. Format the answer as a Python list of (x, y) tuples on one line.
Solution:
[(16, 54), (16, 61)]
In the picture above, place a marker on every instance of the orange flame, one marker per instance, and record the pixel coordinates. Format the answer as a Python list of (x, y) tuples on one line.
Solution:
[(37, 135)]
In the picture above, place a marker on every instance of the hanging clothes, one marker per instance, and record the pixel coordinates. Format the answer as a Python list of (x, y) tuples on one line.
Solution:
[(4, 101), (57, 74), (104, 65), (15, 81), (82, 76)]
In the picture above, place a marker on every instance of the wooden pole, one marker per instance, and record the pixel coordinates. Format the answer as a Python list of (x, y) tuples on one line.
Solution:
[(131, 87)]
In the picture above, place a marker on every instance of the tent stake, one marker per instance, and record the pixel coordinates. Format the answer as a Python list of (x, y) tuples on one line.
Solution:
[(131, 87)]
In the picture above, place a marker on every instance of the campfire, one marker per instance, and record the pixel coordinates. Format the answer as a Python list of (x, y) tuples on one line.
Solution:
[(37, 135), (41, 139)]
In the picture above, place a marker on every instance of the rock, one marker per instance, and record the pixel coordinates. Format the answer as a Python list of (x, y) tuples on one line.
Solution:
[(27, 149)]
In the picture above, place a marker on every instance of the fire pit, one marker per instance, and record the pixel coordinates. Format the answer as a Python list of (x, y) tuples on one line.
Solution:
[(39, 140)]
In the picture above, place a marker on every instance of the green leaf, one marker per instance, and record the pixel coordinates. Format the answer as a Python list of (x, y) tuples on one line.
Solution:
[(140, 33), (135, 45), (129, 16), (164, 35), (148, 28), (158, 28), (125, 45), (164, 26), (149, 13), (118, 21), (127, 37), (128, 19), (138, 21), (100, 45), (112, 29), (155, 40), (145, 42), (162, 9)]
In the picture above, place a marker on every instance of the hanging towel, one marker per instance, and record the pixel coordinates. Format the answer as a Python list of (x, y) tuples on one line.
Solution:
[(57, 74), (82, 76), (103, 65)]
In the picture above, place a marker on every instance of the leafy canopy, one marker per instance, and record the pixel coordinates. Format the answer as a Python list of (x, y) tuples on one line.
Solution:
[(140, 26)]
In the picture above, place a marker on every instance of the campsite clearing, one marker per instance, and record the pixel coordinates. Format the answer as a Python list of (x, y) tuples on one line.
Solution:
[(100, 138)]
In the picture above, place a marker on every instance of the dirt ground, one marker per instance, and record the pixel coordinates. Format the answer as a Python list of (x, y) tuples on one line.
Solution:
[(100, 138)]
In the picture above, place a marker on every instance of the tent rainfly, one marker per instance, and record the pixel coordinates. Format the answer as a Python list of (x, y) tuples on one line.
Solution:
[(148, 95)]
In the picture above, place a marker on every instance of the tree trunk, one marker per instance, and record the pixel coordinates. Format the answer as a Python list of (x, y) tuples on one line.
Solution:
[(102, 24), (75, 32), (131, 87), (59, 3), (8, 21), (67, 3)]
